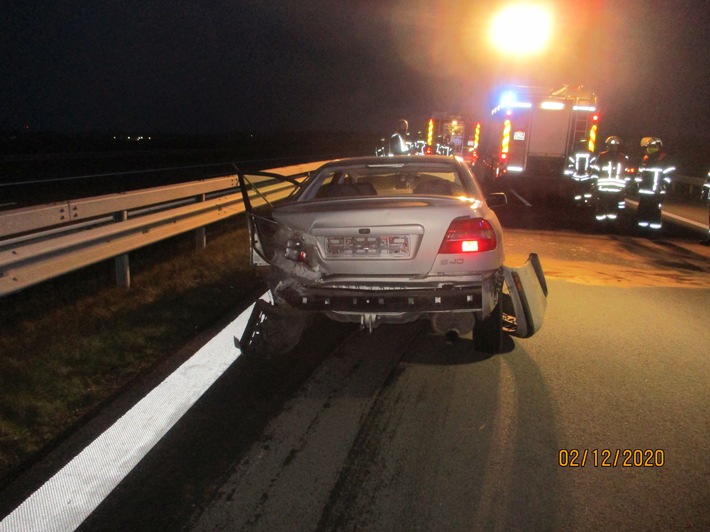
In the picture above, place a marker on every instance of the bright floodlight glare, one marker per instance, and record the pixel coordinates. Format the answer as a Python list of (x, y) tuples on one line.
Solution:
[(521, 29)]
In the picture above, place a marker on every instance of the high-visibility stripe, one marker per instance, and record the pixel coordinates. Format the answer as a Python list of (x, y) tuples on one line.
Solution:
[(652, 178), (592, 138), (505, 145)]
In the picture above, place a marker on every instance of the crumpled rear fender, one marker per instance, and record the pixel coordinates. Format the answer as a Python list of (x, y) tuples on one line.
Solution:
[(527, 289)]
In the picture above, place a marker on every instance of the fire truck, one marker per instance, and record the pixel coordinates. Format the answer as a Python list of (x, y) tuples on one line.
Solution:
[(534, 131), (449, 134)]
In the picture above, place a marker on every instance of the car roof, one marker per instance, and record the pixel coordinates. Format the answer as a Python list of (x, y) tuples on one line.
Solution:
[(395, 159)]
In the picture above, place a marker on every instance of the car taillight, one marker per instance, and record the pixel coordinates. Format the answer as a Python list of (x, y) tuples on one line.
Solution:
[(294, 249), (469, 235)]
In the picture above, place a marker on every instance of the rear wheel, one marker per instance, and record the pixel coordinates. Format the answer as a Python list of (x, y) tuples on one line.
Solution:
[(488, 333)]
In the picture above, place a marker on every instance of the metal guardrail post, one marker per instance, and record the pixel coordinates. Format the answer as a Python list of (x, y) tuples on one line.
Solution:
[(122, 265), (200, 232)]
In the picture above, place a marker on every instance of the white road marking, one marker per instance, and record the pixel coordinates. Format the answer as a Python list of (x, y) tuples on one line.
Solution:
[(525, 202), (70, 496), (682, 219)]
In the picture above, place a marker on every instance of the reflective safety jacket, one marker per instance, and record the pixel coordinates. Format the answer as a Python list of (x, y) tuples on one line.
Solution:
[(655, 173), (609, 171), (579, 166), (398, 146)]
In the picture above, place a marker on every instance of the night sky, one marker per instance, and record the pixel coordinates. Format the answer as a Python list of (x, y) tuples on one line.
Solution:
[(214, 66)]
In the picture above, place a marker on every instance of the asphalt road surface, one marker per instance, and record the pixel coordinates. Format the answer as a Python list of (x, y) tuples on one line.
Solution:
[(600, 421), (426, 435)]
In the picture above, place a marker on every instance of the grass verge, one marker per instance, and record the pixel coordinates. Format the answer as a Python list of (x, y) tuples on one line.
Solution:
[(68, 345)]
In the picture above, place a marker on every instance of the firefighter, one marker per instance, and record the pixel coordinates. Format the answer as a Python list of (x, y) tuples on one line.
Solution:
[(444, 147), (381, 149), (579, 169), (609, 180), (398, 141), (705, 193), (654, 176)]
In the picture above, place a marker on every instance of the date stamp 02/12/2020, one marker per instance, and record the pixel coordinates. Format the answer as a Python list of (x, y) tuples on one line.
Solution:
[(611, 458)]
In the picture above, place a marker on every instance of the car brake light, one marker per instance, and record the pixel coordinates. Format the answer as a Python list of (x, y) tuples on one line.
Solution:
[(294, 249), (469, 235)]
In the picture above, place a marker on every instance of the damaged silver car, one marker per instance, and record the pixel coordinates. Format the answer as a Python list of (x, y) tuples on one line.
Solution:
[(373, 241)]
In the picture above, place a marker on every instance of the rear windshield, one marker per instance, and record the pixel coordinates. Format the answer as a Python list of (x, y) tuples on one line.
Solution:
[(409, 179)]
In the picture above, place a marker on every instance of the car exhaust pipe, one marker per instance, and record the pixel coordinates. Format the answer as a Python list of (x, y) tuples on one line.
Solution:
[(451, 336), (453, 324)]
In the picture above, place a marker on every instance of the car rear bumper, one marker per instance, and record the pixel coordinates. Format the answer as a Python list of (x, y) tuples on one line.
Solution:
[(384, 301)]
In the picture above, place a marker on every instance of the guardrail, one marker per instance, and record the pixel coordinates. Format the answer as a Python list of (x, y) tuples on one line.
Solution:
[(687, 185), (43, 242)]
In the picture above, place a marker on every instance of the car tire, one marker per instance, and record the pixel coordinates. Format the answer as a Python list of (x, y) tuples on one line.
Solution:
[(488, 333)]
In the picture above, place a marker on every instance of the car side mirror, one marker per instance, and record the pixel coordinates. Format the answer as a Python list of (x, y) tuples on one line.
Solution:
[(496, 199)]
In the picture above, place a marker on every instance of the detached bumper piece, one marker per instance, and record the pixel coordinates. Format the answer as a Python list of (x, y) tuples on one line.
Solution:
[(423, 300), (271, 329), (526, 301)]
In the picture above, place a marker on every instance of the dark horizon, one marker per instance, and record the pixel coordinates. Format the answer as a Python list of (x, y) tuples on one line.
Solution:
[(316, 66)]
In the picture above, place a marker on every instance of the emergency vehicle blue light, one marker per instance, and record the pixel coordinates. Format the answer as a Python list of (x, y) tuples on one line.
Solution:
[(508, 98)]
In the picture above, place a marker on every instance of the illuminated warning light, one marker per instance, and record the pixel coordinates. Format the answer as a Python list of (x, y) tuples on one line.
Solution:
[(507, 98), (552, 106), (595, 117)]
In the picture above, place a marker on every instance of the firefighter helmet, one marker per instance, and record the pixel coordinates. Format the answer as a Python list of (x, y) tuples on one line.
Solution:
[(404, 125), (613, 140), (651, 141)]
